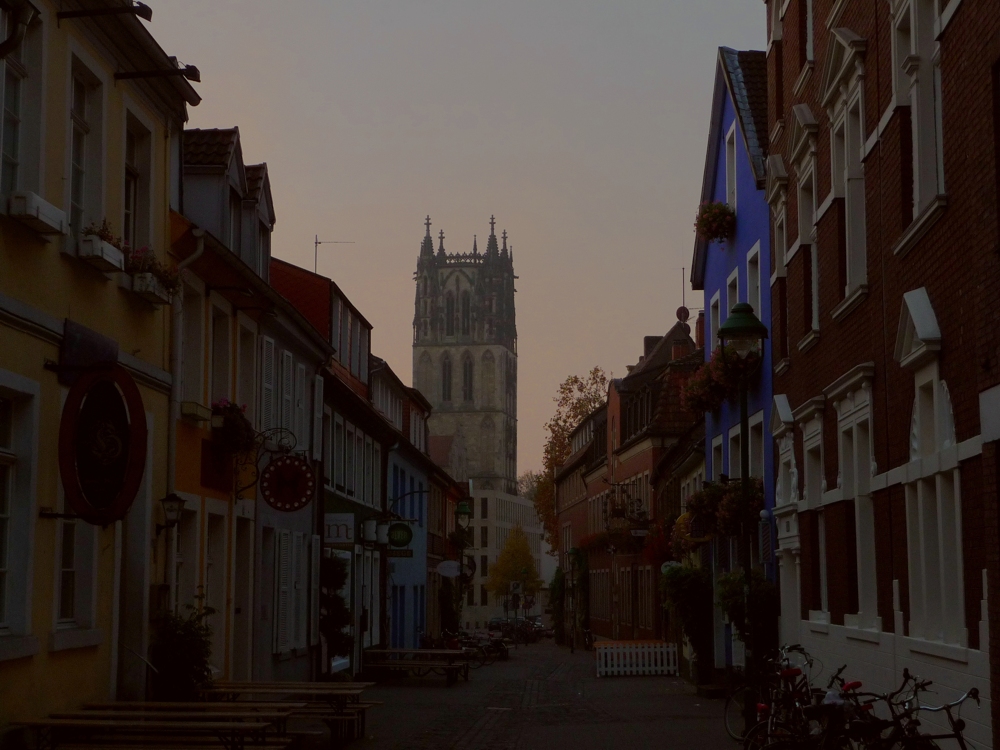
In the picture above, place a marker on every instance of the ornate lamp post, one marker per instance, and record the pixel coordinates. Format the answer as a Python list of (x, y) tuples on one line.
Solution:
[(744, 332)]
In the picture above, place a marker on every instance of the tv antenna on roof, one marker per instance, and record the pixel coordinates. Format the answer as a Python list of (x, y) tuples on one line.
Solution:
[(317, 242)]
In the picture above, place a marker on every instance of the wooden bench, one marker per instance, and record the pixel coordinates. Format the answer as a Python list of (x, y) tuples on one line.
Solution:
[(231, 735), (421, 667)]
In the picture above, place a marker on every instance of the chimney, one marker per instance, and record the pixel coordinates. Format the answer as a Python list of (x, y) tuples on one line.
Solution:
[(679, 349), (699, 330), (649, 343)]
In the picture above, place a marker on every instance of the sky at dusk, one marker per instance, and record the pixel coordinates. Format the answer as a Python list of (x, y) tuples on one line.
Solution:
[(581, 125)]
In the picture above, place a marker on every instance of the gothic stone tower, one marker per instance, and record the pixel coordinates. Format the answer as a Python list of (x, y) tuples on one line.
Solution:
[(465, 358)]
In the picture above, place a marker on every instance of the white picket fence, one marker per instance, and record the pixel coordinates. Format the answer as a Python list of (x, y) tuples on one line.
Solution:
[(620, 658)]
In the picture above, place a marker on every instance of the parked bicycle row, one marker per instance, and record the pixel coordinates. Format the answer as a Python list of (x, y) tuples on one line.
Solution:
[(790, 712)]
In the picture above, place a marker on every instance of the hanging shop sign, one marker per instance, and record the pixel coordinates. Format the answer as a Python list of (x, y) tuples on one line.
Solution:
[(400, 534), (338, 528), (449, 568), (399, 553), (102, 444), (288, 483)]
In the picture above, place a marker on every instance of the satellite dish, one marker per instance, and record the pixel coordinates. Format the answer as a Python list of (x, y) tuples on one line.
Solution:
[(449, 568)]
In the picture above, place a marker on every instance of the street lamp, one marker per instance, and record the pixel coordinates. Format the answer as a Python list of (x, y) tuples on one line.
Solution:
[(745, 333), (463, 515), (173, 506)]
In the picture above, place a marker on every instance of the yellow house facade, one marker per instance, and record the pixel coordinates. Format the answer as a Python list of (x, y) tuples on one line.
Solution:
[(91, 135)]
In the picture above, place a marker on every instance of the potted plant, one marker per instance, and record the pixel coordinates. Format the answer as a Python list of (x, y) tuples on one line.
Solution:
[(180, 655), (99, 247), (716, 221), (730, 510), (151, 279), (230, 427)]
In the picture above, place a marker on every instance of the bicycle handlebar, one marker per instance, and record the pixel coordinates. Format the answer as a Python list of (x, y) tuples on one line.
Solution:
[(973, 693)]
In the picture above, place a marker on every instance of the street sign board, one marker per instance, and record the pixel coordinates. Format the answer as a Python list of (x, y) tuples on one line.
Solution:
[(449, 568)]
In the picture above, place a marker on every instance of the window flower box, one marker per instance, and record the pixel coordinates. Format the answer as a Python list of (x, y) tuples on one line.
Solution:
[(150, 288), (31, 210), (101, 254)]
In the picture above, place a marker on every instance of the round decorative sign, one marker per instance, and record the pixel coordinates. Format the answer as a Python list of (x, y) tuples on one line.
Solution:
[(287, 483), (400, 534), (449, 568), (102, 444)]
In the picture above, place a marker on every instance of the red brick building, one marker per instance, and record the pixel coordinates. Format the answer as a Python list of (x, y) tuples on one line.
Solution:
[(884, 120), (603, 490)]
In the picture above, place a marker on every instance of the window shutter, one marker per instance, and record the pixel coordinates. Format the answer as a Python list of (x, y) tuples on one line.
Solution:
[(287, 389), (266, 383), (317, 425), (301, 592), (317, 552), (301, 431), (283, 578)]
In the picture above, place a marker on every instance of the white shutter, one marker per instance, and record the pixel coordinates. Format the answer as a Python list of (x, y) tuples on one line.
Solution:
[(301, 583), (283, 574), (287, 389), (301, 433), (266, 383), (317, 552), (317, 431), (377, 595)]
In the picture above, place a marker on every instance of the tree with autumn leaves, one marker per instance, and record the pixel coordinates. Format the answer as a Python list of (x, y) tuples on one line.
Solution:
[(515, 558), (576, 398)]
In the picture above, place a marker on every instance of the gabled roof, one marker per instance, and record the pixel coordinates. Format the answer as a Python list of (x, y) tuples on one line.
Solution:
[(743, 75), (212, 147), (259, 188)]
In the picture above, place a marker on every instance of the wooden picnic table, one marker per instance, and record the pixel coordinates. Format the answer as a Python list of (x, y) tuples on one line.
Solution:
[(441, 653), (279, 718), (233, 734), (334, 695), (248, 706), (347, 685), (421, 661)]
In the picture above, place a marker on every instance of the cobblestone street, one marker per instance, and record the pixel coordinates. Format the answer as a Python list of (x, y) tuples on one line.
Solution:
[(544, 697)]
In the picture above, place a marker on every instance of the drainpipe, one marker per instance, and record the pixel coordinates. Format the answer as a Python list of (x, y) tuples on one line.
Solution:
[(20, 18), (177, 330)]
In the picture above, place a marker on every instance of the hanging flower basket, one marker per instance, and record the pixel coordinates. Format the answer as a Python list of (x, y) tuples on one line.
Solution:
[(717, 380), (143, 264), (230, 427), (657, 549), (731, 508), (716, 221)]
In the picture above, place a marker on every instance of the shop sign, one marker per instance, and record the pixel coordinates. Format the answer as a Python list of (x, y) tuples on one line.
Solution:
[(338, 528), (449, 568), (288, 483), (102, 444), (400, 534), (399, 553)]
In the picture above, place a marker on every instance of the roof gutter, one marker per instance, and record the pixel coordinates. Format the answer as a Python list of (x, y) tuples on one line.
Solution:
[(21, 17)]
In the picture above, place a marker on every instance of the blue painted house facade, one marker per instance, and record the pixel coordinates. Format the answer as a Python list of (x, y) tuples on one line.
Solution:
[(737, 270)]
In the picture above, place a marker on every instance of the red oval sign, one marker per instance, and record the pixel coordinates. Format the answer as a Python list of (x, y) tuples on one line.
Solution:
[(287, 483), (102, 445)]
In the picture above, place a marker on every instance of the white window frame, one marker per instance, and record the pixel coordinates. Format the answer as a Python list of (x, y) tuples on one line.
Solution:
[(83, 66), (714, 321), (221, 355), (717, 458), (755, 293), (246, 366), (732, 291)]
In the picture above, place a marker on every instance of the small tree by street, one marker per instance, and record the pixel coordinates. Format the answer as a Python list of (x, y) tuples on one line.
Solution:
[(515, 558), (576, 398)]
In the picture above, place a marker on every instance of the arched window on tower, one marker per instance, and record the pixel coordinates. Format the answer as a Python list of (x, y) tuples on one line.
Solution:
[(468, 382), (446, 378), (488, 374), (425, 373), (449, 314), (487, 446), (466, 314)]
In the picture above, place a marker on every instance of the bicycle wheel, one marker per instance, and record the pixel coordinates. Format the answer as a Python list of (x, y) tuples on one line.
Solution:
[(771, 735), (733, 713)]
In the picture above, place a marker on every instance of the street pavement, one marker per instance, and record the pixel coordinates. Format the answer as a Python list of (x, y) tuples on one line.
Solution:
[(543, 697)]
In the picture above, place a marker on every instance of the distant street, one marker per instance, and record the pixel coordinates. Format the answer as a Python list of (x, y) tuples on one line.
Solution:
[(544, 697)]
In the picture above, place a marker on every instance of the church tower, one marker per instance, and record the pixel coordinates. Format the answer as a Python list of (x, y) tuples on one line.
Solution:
[(465, 358)]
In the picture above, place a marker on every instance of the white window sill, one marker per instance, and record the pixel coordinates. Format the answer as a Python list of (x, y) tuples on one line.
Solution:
[(782, 366), (18, 647), (808, 341), (919, 226), (850, 302), (70, 638), (804, 76), (947, 651), (819, 621), (853, 631)]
